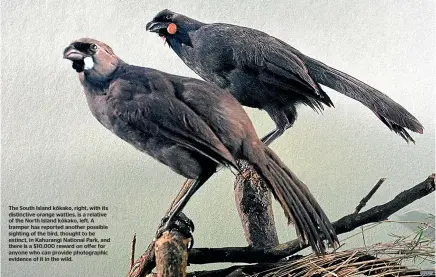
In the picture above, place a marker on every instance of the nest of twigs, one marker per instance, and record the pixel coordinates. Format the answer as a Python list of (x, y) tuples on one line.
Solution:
[(402, 257)]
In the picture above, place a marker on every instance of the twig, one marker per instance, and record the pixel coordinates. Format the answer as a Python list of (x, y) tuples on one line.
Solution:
[(365, 228), (132, 253), (363, 236), (144, 264), (370, 194), (382, 212), (343, 225)]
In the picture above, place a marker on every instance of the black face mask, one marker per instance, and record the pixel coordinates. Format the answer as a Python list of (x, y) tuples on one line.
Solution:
[(79, 65)]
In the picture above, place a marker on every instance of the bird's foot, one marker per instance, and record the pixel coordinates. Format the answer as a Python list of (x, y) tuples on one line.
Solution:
[(180, 223)]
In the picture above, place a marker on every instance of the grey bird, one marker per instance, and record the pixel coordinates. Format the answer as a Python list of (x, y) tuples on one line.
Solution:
[(264, 72), (191, 126)]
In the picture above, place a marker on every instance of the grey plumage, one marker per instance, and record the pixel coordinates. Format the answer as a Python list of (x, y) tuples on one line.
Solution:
[(264, 72), (192, 127)]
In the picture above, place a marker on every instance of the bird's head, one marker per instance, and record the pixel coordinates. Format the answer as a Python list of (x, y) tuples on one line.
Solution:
[(92, 57), (173, 26)]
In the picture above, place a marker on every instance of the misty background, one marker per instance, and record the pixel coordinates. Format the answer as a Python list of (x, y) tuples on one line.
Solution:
[(55, 153)]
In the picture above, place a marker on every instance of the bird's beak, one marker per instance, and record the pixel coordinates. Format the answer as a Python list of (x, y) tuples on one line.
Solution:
[(73, 54), (155, 27)]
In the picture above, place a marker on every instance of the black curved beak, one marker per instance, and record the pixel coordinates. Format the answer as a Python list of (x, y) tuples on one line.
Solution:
[(155, 27), (73, 54)]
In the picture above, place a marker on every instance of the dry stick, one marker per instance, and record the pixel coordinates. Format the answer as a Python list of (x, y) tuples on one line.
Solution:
[(254, 204), (343, 225), (144, 264), (365, 200), (370, 194), (132, 252)]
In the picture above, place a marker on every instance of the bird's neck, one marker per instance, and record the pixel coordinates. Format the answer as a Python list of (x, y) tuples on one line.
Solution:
[(97, 83), (176, 44), (182, 38)]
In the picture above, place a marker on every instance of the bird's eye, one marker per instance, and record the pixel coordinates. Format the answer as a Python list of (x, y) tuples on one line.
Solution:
[(94, 47), (168, 17)]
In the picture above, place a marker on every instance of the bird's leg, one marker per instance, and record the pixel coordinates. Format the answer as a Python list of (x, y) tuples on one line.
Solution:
[(178, 207), (189, 188), (183, 224), (271, 136), (281, 121), (186, 185)]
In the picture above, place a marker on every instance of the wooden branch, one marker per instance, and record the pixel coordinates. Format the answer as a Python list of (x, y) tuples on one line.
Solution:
[(343, 225), (171, 254), (370, 194), (382, 212), (254, 204)]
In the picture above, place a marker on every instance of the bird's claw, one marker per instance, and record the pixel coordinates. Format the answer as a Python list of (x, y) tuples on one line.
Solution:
[(181, 223)]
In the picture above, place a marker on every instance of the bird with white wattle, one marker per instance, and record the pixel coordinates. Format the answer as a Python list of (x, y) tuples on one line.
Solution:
[(264, 72), (191, 126)]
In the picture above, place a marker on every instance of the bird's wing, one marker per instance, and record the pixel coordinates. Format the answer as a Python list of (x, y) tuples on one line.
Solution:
[(153, 109), (274, 64)]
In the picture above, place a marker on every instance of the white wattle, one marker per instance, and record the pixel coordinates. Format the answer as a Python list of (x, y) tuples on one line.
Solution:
[(89, 63)]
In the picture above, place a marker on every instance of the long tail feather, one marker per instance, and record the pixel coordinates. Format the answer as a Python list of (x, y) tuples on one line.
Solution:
[(299, 205), (390, 113)]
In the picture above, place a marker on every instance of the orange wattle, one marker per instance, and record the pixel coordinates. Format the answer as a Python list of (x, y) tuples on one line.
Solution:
[(172, 28)]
